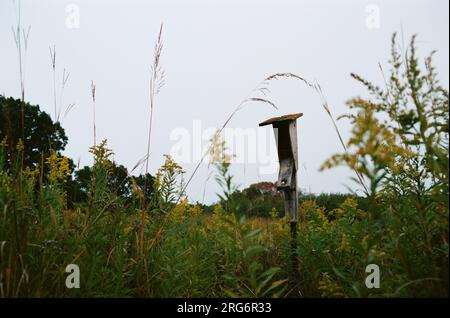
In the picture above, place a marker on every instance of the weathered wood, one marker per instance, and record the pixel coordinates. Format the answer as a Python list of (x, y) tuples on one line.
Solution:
[(293, 138), (291, 205), (285, 175), (281, 119), (285, 130)]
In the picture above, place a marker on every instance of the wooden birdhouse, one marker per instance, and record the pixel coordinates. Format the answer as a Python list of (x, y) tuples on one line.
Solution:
[(285, 129)]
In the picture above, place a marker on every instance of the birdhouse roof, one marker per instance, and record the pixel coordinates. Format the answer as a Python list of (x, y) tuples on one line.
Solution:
[(273, 120)]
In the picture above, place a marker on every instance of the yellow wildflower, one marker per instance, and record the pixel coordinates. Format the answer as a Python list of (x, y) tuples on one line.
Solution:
[(102, 155), (59, 166), (4, 143), (31, 173), (195, 210), (328, 287), (20, 146), (344, 246)]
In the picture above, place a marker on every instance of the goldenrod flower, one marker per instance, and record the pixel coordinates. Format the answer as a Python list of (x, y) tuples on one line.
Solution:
[(59, 166), (102, 155), (3, 143), (328, 287), (20, 146)]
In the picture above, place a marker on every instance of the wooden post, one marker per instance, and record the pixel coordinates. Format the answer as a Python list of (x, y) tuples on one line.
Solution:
[(285, 129)]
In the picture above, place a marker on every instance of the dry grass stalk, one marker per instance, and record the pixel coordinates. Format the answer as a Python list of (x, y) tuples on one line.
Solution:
[(65, 79), (21, 41), (93, 92), (263, 89), (326, 107), (156, 83), (53, 62)]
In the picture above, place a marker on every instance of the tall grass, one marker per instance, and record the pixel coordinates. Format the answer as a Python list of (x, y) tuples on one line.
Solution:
[(163, 246), (94, 127), (58, 106), (21, 36), (259, 95), (156, 83)]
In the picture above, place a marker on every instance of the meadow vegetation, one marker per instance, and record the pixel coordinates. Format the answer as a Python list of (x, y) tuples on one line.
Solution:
[(140, 236)]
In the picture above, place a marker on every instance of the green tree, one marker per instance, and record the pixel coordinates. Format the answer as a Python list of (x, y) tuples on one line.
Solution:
[(145, 185), (117, 179), (40, 133), (118, 182)]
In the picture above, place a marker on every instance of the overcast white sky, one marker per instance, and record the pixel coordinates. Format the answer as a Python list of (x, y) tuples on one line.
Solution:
[(214, 53)]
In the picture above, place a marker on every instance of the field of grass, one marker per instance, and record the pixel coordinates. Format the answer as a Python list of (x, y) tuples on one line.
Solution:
[(187, 253), (149, 240)]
